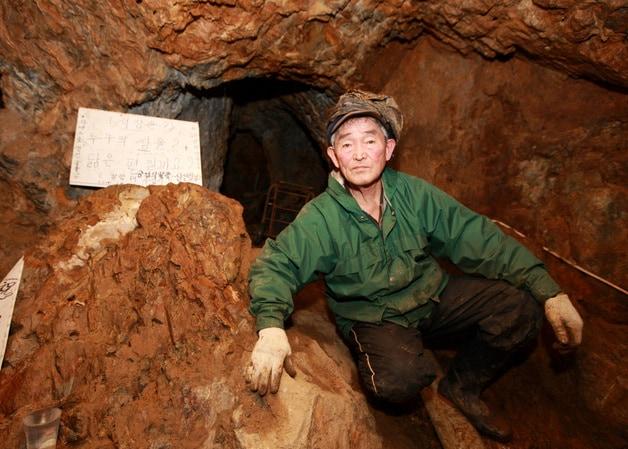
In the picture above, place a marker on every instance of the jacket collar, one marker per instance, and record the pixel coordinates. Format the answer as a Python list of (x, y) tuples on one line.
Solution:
[(346, 200), (389, 178)]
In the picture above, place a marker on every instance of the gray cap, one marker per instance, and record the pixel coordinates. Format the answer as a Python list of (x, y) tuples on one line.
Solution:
[(359, 103)]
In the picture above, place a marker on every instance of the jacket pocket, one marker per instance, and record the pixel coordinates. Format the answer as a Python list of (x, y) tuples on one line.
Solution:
[(415, 246), (416, 255), (348, 266), (359, 276)]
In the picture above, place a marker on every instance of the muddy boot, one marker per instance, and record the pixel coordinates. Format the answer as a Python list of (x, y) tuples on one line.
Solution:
[(486, 421), (470, 372)]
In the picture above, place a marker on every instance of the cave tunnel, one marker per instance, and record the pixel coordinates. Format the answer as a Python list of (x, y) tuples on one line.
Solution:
[(269, 143), (132, 315)]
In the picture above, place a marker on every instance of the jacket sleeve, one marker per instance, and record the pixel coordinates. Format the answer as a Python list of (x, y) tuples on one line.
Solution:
[(477, 246), (300, 251)]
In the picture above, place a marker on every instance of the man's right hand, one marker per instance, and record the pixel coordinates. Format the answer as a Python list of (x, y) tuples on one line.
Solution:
[(270, 355)]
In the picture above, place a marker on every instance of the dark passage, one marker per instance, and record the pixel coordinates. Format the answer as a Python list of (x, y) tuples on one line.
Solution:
[(271, 142)]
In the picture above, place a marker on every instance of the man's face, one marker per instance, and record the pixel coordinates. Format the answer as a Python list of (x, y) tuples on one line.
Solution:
[(361, 151)]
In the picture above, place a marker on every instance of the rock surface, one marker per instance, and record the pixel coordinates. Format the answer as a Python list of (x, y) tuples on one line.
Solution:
[(128, 49), (132, 317)]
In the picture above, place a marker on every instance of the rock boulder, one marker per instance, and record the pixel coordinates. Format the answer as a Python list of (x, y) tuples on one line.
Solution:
[(132, 317)]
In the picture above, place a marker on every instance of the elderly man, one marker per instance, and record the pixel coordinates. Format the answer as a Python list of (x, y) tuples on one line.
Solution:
[(373, 234)]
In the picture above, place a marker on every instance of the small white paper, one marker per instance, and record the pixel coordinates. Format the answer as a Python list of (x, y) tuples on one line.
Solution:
[(8, 292), (117, 148)]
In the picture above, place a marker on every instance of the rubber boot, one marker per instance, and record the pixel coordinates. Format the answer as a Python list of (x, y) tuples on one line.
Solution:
[(470, 372)]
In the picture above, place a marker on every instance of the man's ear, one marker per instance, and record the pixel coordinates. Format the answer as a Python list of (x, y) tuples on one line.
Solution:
[(331, 153), (390, 148)]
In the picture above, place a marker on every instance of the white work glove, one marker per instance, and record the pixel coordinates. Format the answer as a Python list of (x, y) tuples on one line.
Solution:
[(565, 320), (270, 355)]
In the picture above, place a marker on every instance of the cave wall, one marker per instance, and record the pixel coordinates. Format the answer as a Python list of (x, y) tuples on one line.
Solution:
[(546, 154), (58, 56), (515, 140)]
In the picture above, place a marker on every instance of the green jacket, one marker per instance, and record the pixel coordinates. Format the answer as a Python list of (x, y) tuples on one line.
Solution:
[(385, 273)]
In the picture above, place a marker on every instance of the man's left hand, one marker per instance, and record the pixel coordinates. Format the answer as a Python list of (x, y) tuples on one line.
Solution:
[(564, 319)]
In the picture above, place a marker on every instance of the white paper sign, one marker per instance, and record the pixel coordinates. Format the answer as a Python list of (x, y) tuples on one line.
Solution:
[(117, 148), (8, 292)]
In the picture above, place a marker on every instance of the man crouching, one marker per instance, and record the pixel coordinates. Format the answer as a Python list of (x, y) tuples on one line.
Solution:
[(374, 235)]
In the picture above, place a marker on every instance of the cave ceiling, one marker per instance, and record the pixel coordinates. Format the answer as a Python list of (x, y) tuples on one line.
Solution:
[(125, 52)]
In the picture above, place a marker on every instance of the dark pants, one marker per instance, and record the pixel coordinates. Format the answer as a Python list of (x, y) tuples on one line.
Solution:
[(493, 318)]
